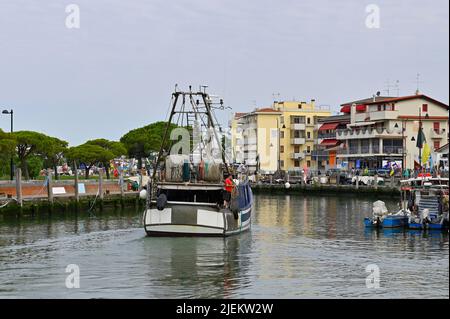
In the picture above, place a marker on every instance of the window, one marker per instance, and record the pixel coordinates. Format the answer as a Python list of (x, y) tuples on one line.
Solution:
[(436, 126), (308, 120), (297, 149), (282, 134), (393, 107), (437, 145), (424, 107), (308, 163), (282, 163), (379, 107), (308, 149), (299, 106), (282, 149), (297, 163), (308, 134)]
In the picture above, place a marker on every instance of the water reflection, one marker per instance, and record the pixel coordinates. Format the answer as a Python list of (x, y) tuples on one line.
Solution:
[(195, 267), (299, 247)]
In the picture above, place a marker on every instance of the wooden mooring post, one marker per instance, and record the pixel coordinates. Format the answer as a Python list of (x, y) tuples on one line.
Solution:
[(50, 186), (19, 197), (100, 184), (77, 190)]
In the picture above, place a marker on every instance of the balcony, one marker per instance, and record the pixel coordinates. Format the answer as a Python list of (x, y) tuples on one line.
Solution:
[(322, 136), (248, 126), (438, 133), (366, 132), (376, 116), (298, 141), (365, 151), (298, 126), (297, 156)]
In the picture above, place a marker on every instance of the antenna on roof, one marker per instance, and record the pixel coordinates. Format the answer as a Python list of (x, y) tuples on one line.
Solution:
[(418, 83), (397, 87)]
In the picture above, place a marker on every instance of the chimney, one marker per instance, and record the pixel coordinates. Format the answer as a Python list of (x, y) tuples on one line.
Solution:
[(313, 104), (374, 98)]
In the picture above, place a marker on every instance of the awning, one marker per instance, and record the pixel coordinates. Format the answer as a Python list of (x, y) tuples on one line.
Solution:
[(359, 107), (329, 142), (345, 109), (328, 126)]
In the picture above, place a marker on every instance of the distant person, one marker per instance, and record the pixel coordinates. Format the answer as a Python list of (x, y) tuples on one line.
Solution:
[(228, 190)]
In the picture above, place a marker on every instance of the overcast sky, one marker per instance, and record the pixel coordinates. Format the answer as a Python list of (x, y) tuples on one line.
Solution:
[(117, 71)]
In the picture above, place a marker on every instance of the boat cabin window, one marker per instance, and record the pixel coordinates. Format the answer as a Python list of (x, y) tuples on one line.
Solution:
[(192, 196)]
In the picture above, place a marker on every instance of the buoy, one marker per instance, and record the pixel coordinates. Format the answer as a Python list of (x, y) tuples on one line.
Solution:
[(143, 194), (287, 185)]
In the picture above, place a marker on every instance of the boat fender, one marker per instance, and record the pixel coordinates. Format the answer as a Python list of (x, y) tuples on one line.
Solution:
[(161, 202), (234, 207)]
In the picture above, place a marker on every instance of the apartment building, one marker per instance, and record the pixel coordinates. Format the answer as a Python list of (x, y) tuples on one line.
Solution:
[(281, 137), (385, 129)]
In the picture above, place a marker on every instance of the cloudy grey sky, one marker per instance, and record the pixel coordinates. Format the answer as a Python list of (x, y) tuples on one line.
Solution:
[(118, 70)]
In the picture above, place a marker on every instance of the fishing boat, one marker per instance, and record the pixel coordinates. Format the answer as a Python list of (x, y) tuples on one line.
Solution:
[(427, 200), (381, 218), (186, 196)]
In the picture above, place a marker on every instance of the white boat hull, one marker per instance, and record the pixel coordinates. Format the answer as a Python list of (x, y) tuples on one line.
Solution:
[(189, 220)]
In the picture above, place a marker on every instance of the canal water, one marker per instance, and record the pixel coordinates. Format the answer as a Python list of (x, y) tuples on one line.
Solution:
[(298, 247)]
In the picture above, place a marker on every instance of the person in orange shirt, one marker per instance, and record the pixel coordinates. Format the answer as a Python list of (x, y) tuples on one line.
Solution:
[(229, 185)]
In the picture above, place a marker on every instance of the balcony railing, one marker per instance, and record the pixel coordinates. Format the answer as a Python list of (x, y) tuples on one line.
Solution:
[(296, 156), (365, 150), (438, 133), (298, 141), (326, 135), (298, 126), (366, 132)]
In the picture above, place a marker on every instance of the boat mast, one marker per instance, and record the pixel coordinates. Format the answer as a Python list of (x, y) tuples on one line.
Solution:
[(211, 124), (161, 149), (196, 111)]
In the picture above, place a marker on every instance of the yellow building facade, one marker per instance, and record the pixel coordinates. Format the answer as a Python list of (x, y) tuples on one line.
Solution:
[(281, 137)]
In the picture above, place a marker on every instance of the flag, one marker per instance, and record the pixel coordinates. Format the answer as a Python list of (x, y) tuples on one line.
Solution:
[(420, 138), (426, 153)]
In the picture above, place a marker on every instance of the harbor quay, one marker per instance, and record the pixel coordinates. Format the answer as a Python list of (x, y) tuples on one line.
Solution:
[(36, 197)]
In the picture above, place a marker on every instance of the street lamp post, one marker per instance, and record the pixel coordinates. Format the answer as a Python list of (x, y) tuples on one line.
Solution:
[(279, 146), (12, 131)]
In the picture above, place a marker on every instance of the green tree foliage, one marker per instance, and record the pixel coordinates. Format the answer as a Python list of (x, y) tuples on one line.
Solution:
[(141, 142), (35, 164), (117, 148), (29, 143), (53, 152), (7, 149), (89, 155), (7, 145)]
